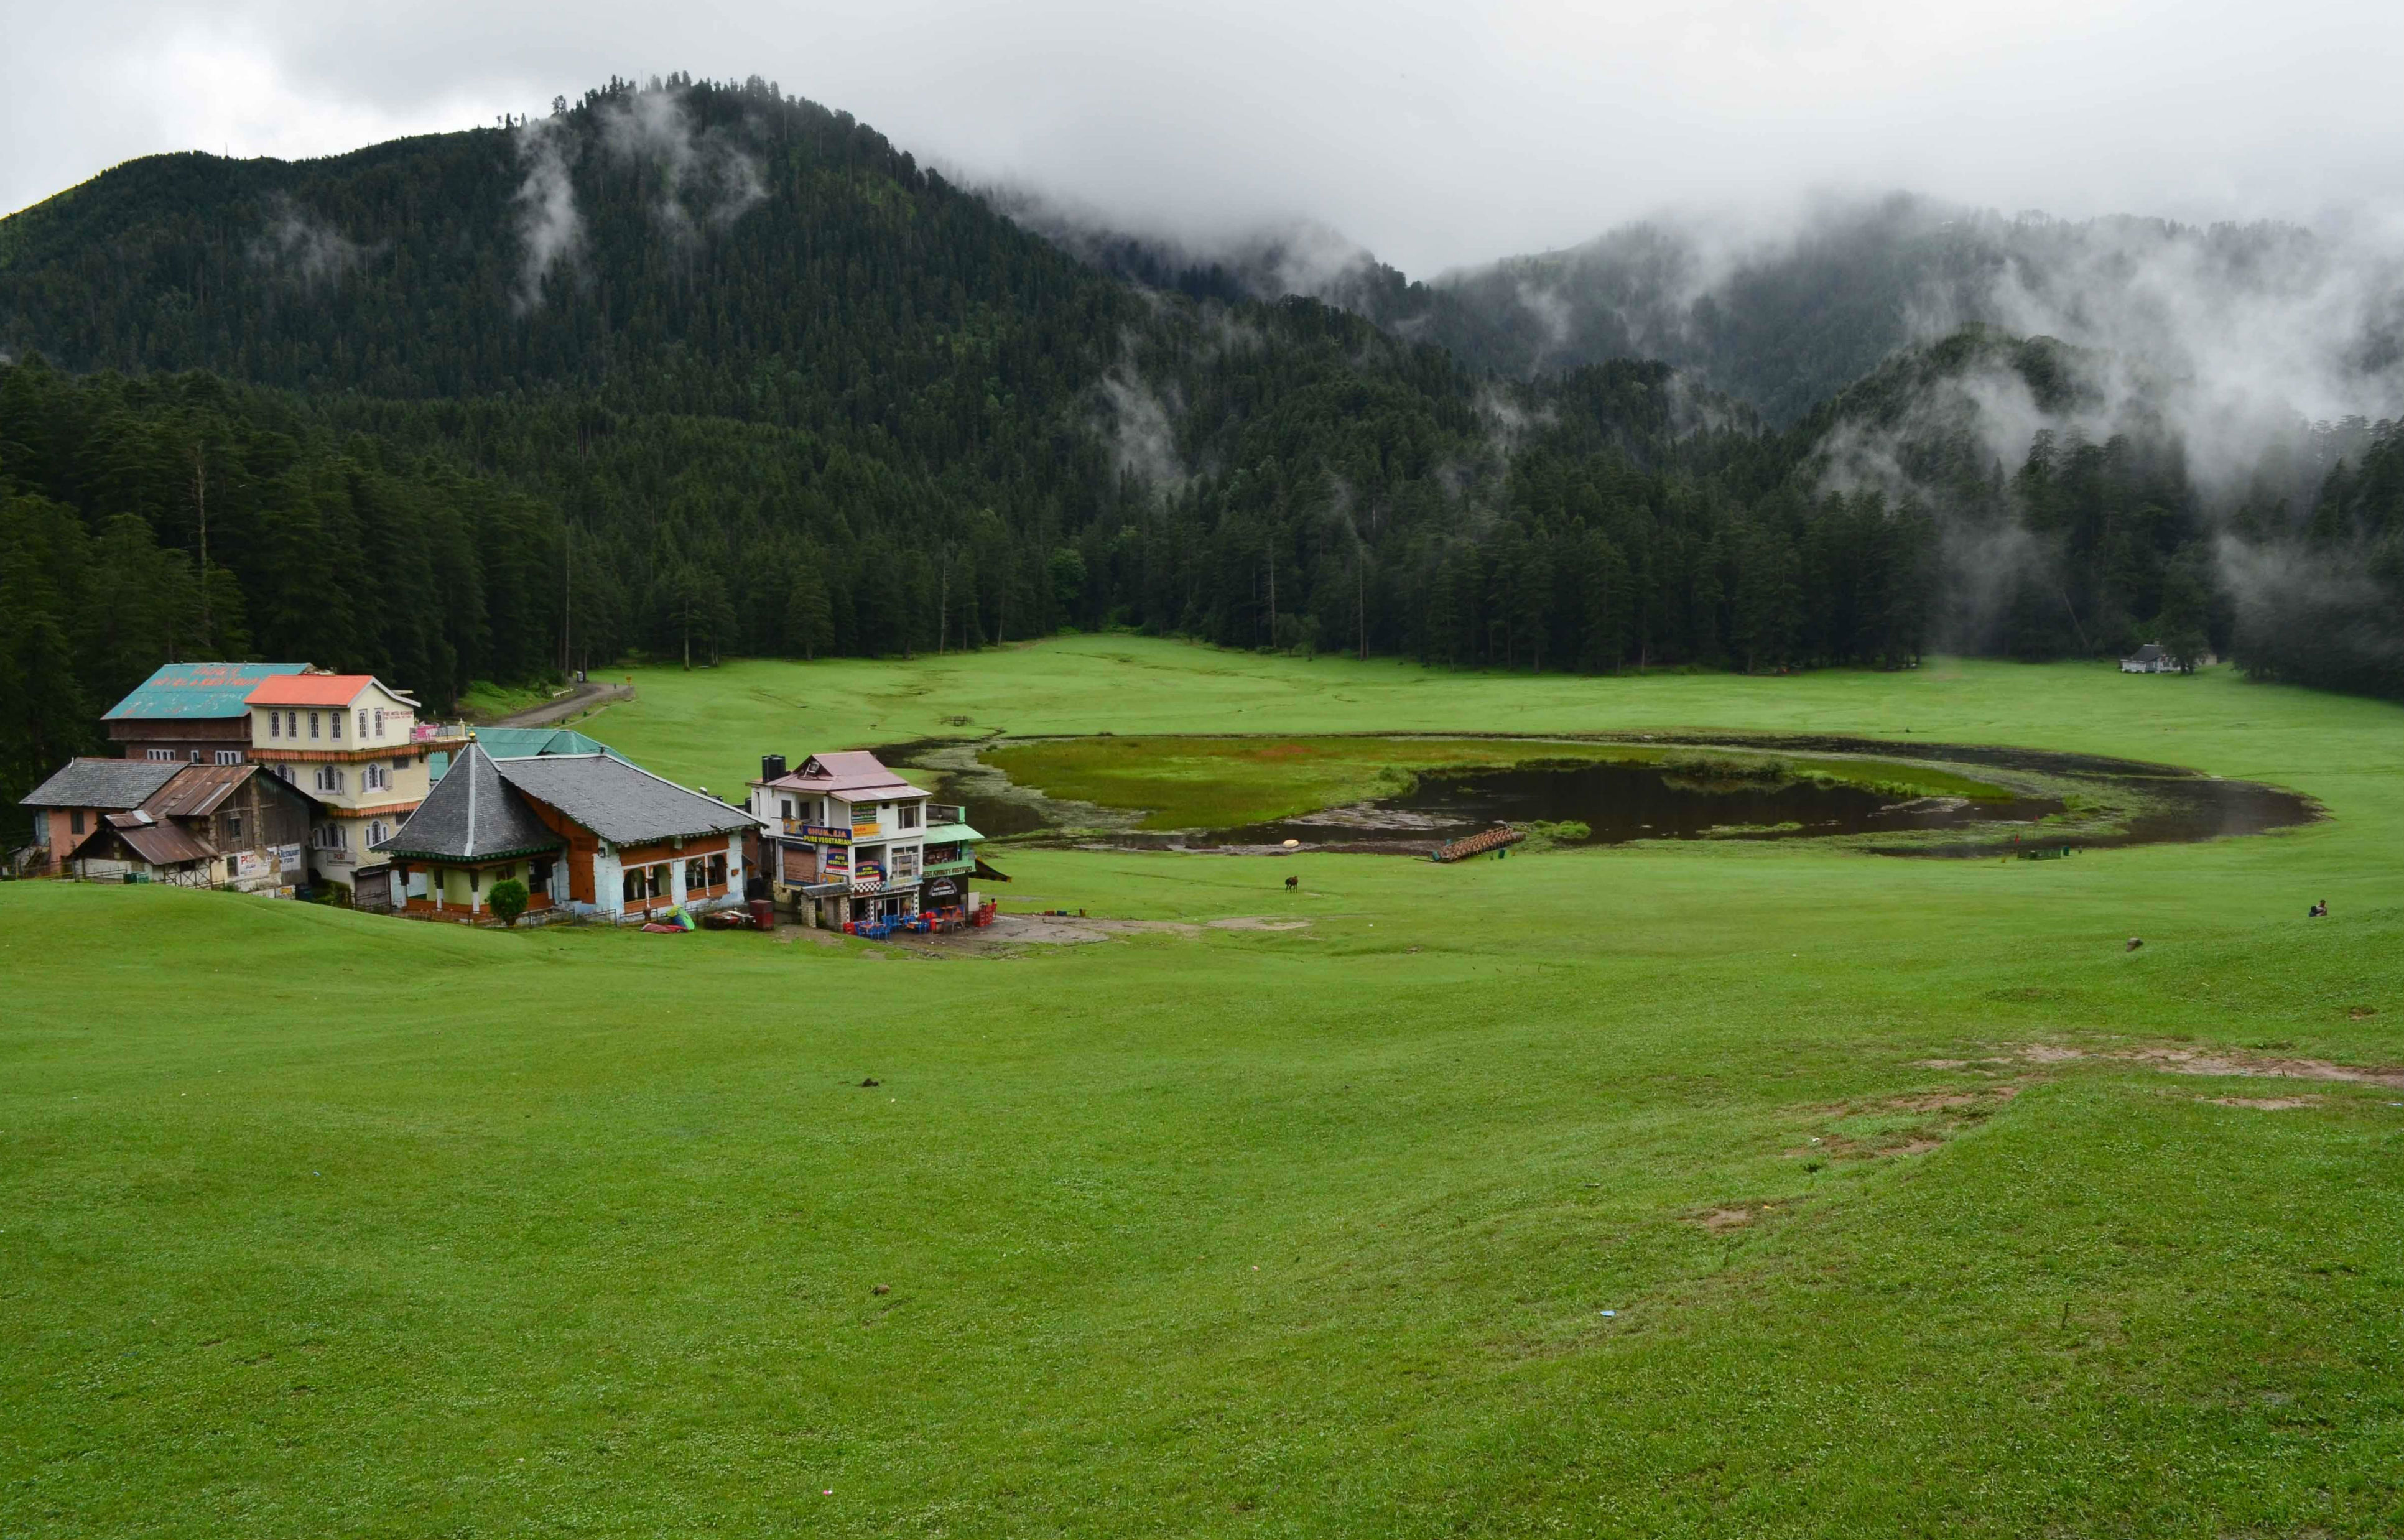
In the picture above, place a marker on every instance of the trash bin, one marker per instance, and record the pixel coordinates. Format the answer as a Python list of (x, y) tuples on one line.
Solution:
[(763, 913)]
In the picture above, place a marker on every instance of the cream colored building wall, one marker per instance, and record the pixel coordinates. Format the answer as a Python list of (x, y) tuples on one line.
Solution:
[(398, 719)]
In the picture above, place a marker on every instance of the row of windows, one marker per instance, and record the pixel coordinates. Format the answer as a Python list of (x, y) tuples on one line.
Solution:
[(373, 778), (653, 882), (286, 724), (224, 756), (815, 810)]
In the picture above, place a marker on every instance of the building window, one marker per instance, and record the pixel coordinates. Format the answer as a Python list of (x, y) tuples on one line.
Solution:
[(475, 879), (400, 764), (718, 869), (161, 754), (696, 874), (196, 756), (910, 816), (378, 719), (276, 725), (312, 723), (363, 722), (233, 867), (337, 722), (378, 834), (233, 826), (229, 756), (75, 821), (787, 804)]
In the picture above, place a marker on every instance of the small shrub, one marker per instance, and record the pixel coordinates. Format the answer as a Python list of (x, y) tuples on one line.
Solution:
[(508, 900)]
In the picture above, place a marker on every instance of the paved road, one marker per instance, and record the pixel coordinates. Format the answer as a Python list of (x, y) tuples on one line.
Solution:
[(583, 698)]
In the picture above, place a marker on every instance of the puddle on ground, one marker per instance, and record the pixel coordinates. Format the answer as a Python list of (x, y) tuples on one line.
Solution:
[(1626, 802), (1619, 803)]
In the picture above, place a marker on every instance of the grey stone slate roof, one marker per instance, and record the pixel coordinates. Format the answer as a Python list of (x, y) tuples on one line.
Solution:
[(619, 802), (103, 783), (470, 814)]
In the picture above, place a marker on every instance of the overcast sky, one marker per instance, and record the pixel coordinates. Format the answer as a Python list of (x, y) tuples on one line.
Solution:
[(1434, 134)]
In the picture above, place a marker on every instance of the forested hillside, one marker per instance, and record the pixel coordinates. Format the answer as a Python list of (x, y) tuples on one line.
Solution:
[(328, 547), (687, 370), (754, 382), (1784, 317)]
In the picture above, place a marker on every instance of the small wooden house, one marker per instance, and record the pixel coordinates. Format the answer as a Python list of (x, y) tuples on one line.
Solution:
[(73, 804), (204, 826)]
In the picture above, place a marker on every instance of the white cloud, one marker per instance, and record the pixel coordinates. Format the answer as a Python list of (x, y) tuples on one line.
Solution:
[(1436, 134)]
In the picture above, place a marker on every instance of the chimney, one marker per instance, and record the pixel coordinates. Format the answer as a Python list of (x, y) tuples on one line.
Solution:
[(772, 767)]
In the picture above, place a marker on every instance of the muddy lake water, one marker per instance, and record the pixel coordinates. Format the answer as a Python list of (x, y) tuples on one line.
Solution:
[(1625, 801)]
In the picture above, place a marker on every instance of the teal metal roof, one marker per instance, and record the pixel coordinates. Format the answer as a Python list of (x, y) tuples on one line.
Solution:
[(197, 691), (946, 834), (525, 743), (520, 743)]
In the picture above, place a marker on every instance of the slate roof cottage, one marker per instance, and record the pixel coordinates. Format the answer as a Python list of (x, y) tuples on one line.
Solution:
[(200, 825), (78, 797), (586, 833)]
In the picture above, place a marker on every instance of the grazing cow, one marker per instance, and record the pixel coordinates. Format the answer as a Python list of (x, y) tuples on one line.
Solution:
[(1292, 884)]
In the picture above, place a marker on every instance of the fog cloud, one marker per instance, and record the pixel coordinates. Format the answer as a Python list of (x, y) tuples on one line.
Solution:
[(1433, 135), (551, 231), (704, 179), (304, 248)]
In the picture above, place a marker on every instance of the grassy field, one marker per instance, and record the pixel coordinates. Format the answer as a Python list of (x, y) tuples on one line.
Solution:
[(315, 1224)]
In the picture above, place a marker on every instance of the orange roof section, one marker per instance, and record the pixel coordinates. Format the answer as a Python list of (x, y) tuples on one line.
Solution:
[(316, 689)]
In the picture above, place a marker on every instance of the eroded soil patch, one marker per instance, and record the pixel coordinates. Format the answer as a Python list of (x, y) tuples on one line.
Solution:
[(2196, 1061)]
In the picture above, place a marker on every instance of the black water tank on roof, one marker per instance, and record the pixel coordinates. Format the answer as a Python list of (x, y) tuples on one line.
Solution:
[(772, 767)]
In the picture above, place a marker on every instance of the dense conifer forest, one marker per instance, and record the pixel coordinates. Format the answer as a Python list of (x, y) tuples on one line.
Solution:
[(689, 368)]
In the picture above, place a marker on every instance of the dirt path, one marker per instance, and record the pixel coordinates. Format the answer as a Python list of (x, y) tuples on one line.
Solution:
[(551, 713)]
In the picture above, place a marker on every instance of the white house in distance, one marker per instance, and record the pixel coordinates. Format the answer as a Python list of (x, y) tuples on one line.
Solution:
[(354, 743), (847, 839), (2153, 658)]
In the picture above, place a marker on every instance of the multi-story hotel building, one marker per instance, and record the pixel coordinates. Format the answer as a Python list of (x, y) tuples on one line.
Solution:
[(354, 743)]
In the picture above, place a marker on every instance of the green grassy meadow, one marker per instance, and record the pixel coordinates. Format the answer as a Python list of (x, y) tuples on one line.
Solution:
[(315, 1224)]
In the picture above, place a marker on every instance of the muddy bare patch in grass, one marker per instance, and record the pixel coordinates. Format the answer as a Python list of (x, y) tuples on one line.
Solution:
[(2264, 1103), (1071, 931), (2194, 1061), (1908, 1124)]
